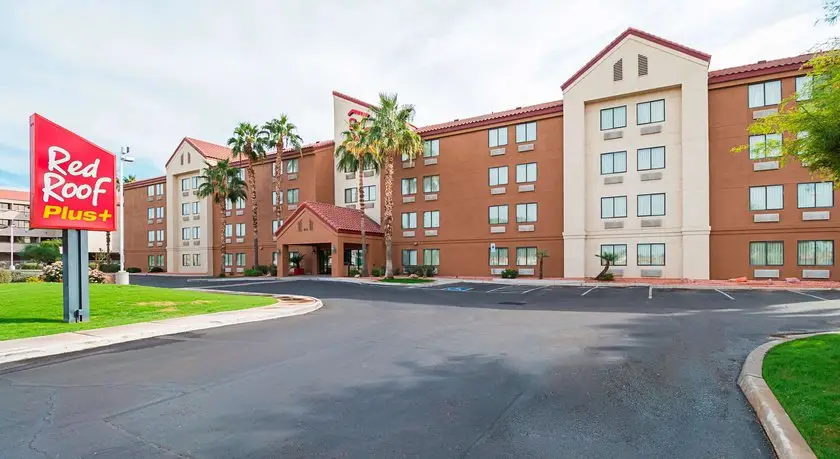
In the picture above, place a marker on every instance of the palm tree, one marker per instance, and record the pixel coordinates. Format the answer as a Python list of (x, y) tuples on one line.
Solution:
[(393, 136), (247, 144), (355, 154), (130, 178), (223, 183), (542, 255), (280, 133), (607, 257)]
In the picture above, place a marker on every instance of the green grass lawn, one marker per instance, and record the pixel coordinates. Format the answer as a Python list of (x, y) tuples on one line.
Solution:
[(805, 376), (36, 309), (406, 280)]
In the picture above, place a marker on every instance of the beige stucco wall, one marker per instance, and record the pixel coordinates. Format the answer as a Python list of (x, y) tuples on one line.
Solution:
[(682, 81), (341, 120)]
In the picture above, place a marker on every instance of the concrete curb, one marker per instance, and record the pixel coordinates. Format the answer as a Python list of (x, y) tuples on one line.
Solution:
[(62, 343), (783, 434)]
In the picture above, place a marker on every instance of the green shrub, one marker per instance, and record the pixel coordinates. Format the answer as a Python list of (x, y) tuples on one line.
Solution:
[(20, 275), (353, 272), (33, 279), (5, 276), (607, 277), (510, 274), (30, 265), (156, 269), (272, 269), (377, 272), (421, 270), (263, 268), (52, 272), (133, 269), (109, 268), (253, 272)]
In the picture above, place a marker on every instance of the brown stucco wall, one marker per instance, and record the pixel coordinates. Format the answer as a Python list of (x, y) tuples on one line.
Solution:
[(137, 226)]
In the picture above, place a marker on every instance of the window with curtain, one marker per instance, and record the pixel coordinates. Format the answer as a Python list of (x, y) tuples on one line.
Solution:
[(196, 208), (815, 253), (613, 118), (499, 257), (431, 148), (431, 184), (196, 232), (159, 212), (409, 220), (185, 209), (240, 230), (409, 186), (151, 261), (409, 257), (196, 259), (151, 235), (810, 195), (240, 203), (185, 234), (526, 256), (764, 94), (292, 166), (292, 196), (497, 137), (185, 184), (526, 173), (614, 207), (370, 193), (650, 112), (765, 146), (650, 255), (803, 87), (160, 261), (240, 259), (498, 176), (620, 251), (650, 158), (228, 230), (150, 190), (650, 205), (526, 213), (431, 219), (614, 162), (275, 225), (151, 213), (228, 259), (159, 235), (196, 181), (499, 215), (767, 254), (769, 197), (431, 257), (159, 189), (350, 195), (185, 259), (526, 132)]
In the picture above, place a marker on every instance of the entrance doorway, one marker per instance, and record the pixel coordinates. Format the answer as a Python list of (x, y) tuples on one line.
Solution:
[(324, 261)]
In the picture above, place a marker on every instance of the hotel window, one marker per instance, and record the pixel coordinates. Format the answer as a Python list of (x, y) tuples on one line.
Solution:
[(614, 163), (196, 259), (613, 118), (160, 261), (409, 186), (240, 259), (803, 87), (151, 235), (614, 207), (811, 195), (241, 173), (497, 137), (526, 256), (160, 235), (150, 190), (431, 219), (185, 234), (228, 230), (650, 255), (228, 259), (764, 94), (498, 176), (526, 173), (228, 204), (185, 209), (159, 212), (151, 261), (240, 230), (350, 195), (196, 208), (275, 225), (650, 205), (526, 213), (815, 253), (274, 256), (431, 148), (292, 195), (185, 184), (274, 169), (769, 197), (431, 257), (151, 213), (526, 132), (370, 193), (650, 112), (431, 184), (499, 257), (620, 252), (767, 254), (185, 259), (159, 189), (409, 220), (196, 231), (196, 181), (765, 146), (409, 257), (650, 158), (274, 198), (292, 166), (240, 203), (499, 215)]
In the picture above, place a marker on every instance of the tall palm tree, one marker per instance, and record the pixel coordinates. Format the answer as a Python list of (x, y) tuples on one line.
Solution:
[(247, 144), (355, 154), (393, 135), (223, 183), (128, 179), (280, 134)]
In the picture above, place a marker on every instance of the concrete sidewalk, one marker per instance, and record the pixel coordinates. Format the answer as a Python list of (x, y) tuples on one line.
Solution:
[(42, 346)]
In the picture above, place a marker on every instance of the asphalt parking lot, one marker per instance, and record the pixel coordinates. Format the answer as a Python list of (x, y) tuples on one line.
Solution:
[(384, 371)]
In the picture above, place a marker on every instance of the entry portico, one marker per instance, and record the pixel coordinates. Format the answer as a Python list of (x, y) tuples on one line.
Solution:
[(332, 235)]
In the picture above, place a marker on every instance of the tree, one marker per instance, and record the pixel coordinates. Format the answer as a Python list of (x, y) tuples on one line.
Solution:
[(607, 258), (542, 255), (223, 183), (46, 252), (247, 144), (355, 154), (392, 134), (280, 134)]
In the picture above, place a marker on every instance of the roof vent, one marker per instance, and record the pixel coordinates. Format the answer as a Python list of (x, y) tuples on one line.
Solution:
[(643, 65), (762, 61), (457, 119), (618, 70), (518, 108)]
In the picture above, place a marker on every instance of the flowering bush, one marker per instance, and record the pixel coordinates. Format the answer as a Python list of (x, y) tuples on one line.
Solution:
[(33, 279), (52, 272), (96, 276)]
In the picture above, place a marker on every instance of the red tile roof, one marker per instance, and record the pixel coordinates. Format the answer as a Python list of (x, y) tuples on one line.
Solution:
[(339, 219), (643, 35), (352, 99), (759, 68), (206, 149), (490, 118), (14, 195)]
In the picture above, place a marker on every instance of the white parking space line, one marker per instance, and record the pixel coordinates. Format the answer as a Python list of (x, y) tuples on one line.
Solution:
[(808, 294), (498, 288), (593, 288), (650, 292), (533, 289), (725, 294)]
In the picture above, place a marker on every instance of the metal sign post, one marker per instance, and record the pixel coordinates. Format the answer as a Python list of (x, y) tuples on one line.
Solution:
[(74, 260)]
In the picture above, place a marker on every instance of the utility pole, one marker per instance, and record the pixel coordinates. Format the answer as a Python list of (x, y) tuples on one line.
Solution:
[(122, 275)]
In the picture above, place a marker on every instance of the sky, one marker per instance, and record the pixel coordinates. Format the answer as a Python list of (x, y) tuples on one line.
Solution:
[(148, 73)]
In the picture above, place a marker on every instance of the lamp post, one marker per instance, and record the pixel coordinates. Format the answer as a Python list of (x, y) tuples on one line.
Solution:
[(122, 276)]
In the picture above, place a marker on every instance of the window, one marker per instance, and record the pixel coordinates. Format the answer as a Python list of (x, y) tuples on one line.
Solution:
[(769, 197), (499, 257), (185, 209), (151, 213), (160, 235), (614, 163), (195, 182), (409, 220), (498, 176), (526, 132), (370, 193), (612, 118), (241, 173), (240, 230), (292, 196), (240, 203), (526, 256), (499, 215), (350, 195), (275, 225), (766, 254), (650, 112), (240, 259), (650, 255), (159, 212), (274, 256), (151, 261), (614, 207), (292, 166), (620, 251), (228, 230), (765, 146), (431, 257), (431, 219), (185, 234), (650, 158), (498, 136), (150, 190), (526, 173), (185, 259), (763, 94), (431, 148), (431, 184), (196, 231), (650, 205), (526, 213), (185, 184), (803, 87), (291, 255), (196, 259), (160, 261), (196, 208), (409, 185), (815, 195), (815, 253), (274, 198), (409, 257), (228, 259), (159, 189), (274, 169), (151, 236)]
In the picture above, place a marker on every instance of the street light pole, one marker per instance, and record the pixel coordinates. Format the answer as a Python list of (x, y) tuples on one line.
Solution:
[(122, 276)]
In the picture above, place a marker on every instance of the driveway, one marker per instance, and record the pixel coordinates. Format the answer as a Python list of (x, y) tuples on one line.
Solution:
[(421, 372)]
